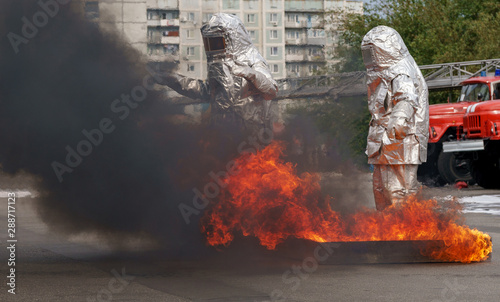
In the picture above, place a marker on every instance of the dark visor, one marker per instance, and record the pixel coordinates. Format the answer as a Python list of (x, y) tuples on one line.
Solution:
[(368, 56), (214, 43)]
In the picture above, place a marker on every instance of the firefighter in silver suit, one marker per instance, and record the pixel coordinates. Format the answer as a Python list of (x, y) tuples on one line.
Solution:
[(398, 103), (239, 86)]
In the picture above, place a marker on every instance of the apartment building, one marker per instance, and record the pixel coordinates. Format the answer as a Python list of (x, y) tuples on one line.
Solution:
[(290, 34)]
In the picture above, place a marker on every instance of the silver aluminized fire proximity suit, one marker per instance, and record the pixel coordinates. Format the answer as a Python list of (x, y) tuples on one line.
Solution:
[(398, 103), (239, 86)]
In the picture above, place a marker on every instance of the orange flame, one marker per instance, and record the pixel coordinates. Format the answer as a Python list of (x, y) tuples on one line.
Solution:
[(268, 200)]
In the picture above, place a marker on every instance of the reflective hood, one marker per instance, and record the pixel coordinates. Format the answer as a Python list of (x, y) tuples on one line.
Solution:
[(237, 41), (238, 75), (383, 47)]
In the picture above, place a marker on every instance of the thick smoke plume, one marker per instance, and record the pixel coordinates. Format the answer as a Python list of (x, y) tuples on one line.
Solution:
[(76, 112)]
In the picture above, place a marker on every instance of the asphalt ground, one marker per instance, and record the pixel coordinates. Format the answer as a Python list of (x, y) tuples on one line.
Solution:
[(52, 267)]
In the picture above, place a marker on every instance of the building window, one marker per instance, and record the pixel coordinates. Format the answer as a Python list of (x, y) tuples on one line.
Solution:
[(166, 15), (252, 4), (293, 18), (168, 33), (251, 18), (252, 34), (190, 16), (273, 18), (274, 3), (275, 68), (294, 68), (207, 17), (231, 4), (189, 34), (313, 68), (315, 33), (170, 49), (190, 67), (150, 15), (293, 34), (274, 34), (190, 51), (92, 10), (314, 51), (274, 51)]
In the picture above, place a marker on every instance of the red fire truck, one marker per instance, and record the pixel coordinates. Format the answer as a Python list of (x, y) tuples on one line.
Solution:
[(464, 137)]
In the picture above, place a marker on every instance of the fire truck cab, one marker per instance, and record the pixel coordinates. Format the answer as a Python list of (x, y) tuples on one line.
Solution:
[(479, 143), (464, 139)]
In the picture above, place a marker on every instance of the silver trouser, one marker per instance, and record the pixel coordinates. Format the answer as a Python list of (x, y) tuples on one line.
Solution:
[(393, 183)]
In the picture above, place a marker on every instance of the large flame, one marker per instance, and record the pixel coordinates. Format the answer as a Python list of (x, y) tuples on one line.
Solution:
[(265, 198)]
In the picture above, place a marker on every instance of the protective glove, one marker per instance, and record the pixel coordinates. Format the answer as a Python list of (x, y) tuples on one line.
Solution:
[(397, 127), (242, 70), (399, 120), (267, 87)]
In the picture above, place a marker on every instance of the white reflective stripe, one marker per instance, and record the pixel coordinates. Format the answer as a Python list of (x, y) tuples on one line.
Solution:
[(474, 107)]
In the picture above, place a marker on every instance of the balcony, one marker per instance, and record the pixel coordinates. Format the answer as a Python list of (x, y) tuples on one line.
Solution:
[(163, 22), (159, 39), (167, 4), (170, 40), (316, 41), (169, 22), (295, 57), (316, 58), (164, 58), (295, 24), (296, 41), (295, 74), (304, 6), (154, 22)]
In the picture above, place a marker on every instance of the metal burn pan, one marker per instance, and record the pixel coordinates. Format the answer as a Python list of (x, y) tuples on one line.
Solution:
[(359, 252)]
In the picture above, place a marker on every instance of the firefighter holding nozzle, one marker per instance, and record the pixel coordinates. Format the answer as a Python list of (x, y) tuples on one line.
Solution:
[(398, 103), (239, 86)]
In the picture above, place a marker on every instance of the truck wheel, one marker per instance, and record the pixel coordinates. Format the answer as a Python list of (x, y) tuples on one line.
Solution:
[(452, 169), (485, 171)]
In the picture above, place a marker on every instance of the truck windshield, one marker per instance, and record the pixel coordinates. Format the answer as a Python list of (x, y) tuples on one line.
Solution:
[(474, 93)]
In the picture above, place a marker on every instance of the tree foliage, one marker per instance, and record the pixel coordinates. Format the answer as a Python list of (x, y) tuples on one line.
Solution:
[(435, 31)]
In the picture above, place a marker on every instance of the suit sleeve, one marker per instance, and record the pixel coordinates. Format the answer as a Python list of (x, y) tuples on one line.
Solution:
[(192, 88)]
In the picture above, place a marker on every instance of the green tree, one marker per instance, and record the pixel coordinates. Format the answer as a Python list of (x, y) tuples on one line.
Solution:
[(435, 31)]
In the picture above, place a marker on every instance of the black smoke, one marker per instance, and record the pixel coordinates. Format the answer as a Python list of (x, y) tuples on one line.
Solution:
[(76, 115)]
